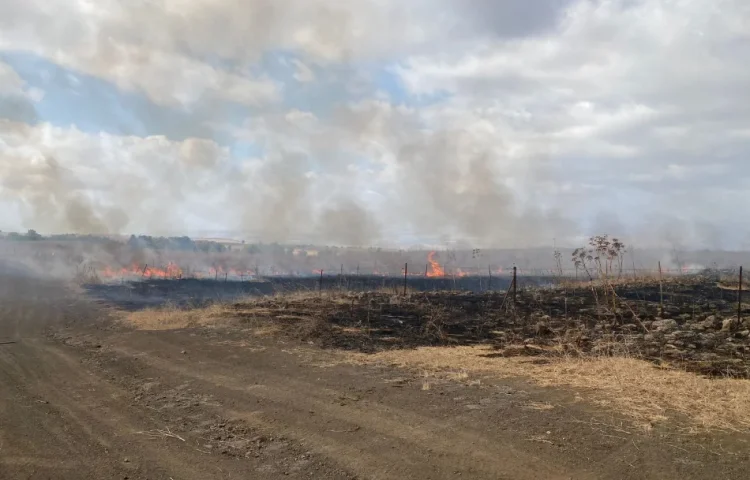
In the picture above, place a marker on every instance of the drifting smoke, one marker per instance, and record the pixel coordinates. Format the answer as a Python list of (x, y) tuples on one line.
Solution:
[(301, 122), (311, 178)]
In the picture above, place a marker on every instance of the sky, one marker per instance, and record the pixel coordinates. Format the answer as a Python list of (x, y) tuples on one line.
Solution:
[(502, 123)]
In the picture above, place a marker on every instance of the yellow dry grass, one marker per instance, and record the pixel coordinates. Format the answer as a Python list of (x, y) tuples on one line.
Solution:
[(171, 318), (636, 388)]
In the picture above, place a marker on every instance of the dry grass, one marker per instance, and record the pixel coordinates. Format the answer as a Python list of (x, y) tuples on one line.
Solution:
[(636, 388), (171, 318)]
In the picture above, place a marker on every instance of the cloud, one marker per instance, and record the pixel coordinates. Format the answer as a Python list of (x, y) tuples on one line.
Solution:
[(506, 123), (10, 82), (123, 43), (63, 179), (16, 98), (303, 73)]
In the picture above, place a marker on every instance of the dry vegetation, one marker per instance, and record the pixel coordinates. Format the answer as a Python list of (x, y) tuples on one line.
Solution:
[(171, 317), (602, 353), (635, 388)]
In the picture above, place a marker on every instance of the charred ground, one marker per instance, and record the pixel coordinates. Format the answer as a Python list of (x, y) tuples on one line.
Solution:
[(317, 384), (690, 321)]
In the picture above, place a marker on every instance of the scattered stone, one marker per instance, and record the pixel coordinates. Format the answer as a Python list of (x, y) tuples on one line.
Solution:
[(666, 325), (711, 322), (728, 324)]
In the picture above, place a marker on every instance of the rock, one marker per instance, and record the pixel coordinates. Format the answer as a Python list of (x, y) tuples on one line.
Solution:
[(542, 328), (709, 340), (183, 352), (711, 322), (742, 334), (728, 324), (666, 325)]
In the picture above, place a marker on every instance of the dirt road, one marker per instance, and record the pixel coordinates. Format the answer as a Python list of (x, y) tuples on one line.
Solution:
[(96, 401)]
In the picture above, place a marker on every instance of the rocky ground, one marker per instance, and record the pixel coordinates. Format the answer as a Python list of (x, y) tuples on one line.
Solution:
[(693, 321)]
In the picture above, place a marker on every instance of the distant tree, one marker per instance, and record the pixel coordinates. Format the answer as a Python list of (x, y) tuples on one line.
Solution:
[(600, 257), (33, 235)]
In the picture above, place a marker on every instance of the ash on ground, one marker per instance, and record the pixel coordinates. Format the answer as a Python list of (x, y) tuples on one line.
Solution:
[(694, 327)]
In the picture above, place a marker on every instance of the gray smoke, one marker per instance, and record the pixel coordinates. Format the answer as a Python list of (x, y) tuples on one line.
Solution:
[(303, 122)]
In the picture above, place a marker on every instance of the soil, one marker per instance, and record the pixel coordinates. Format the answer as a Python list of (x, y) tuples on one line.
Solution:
[(82, 397)]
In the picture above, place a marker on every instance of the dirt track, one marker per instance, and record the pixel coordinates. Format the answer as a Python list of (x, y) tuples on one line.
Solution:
[(95, 401)]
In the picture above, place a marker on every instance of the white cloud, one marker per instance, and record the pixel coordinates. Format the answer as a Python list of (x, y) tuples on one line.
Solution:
[(515, 113), (303, 73), (119, 42), (10, 82), (63, 179)]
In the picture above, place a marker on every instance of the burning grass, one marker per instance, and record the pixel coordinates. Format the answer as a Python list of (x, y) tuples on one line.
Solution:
[(635, 388)]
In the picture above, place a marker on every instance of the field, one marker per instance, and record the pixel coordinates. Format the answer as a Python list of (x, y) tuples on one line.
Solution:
[(193, 379)]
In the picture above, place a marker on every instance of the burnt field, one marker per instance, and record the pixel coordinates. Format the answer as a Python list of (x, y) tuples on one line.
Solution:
[(203, 379), (690, 322), (131, 295)]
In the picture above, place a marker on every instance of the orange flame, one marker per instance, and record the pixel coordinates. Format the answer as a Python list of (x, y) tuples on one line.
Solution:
[(170, 271), (435, 269)]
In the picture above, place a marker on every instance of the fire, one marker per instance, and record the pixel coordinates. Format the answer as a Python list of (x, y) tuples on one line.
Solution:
[(171, 270), (435, 269)]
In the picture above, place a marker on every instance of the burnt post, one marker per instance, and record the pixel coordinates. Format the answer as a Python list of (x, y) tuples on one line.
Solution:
[(489, 278), (144, 271), (661, 292), (739, 301), (406, 272), (320, 282), (515, 284), (426, 269)]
